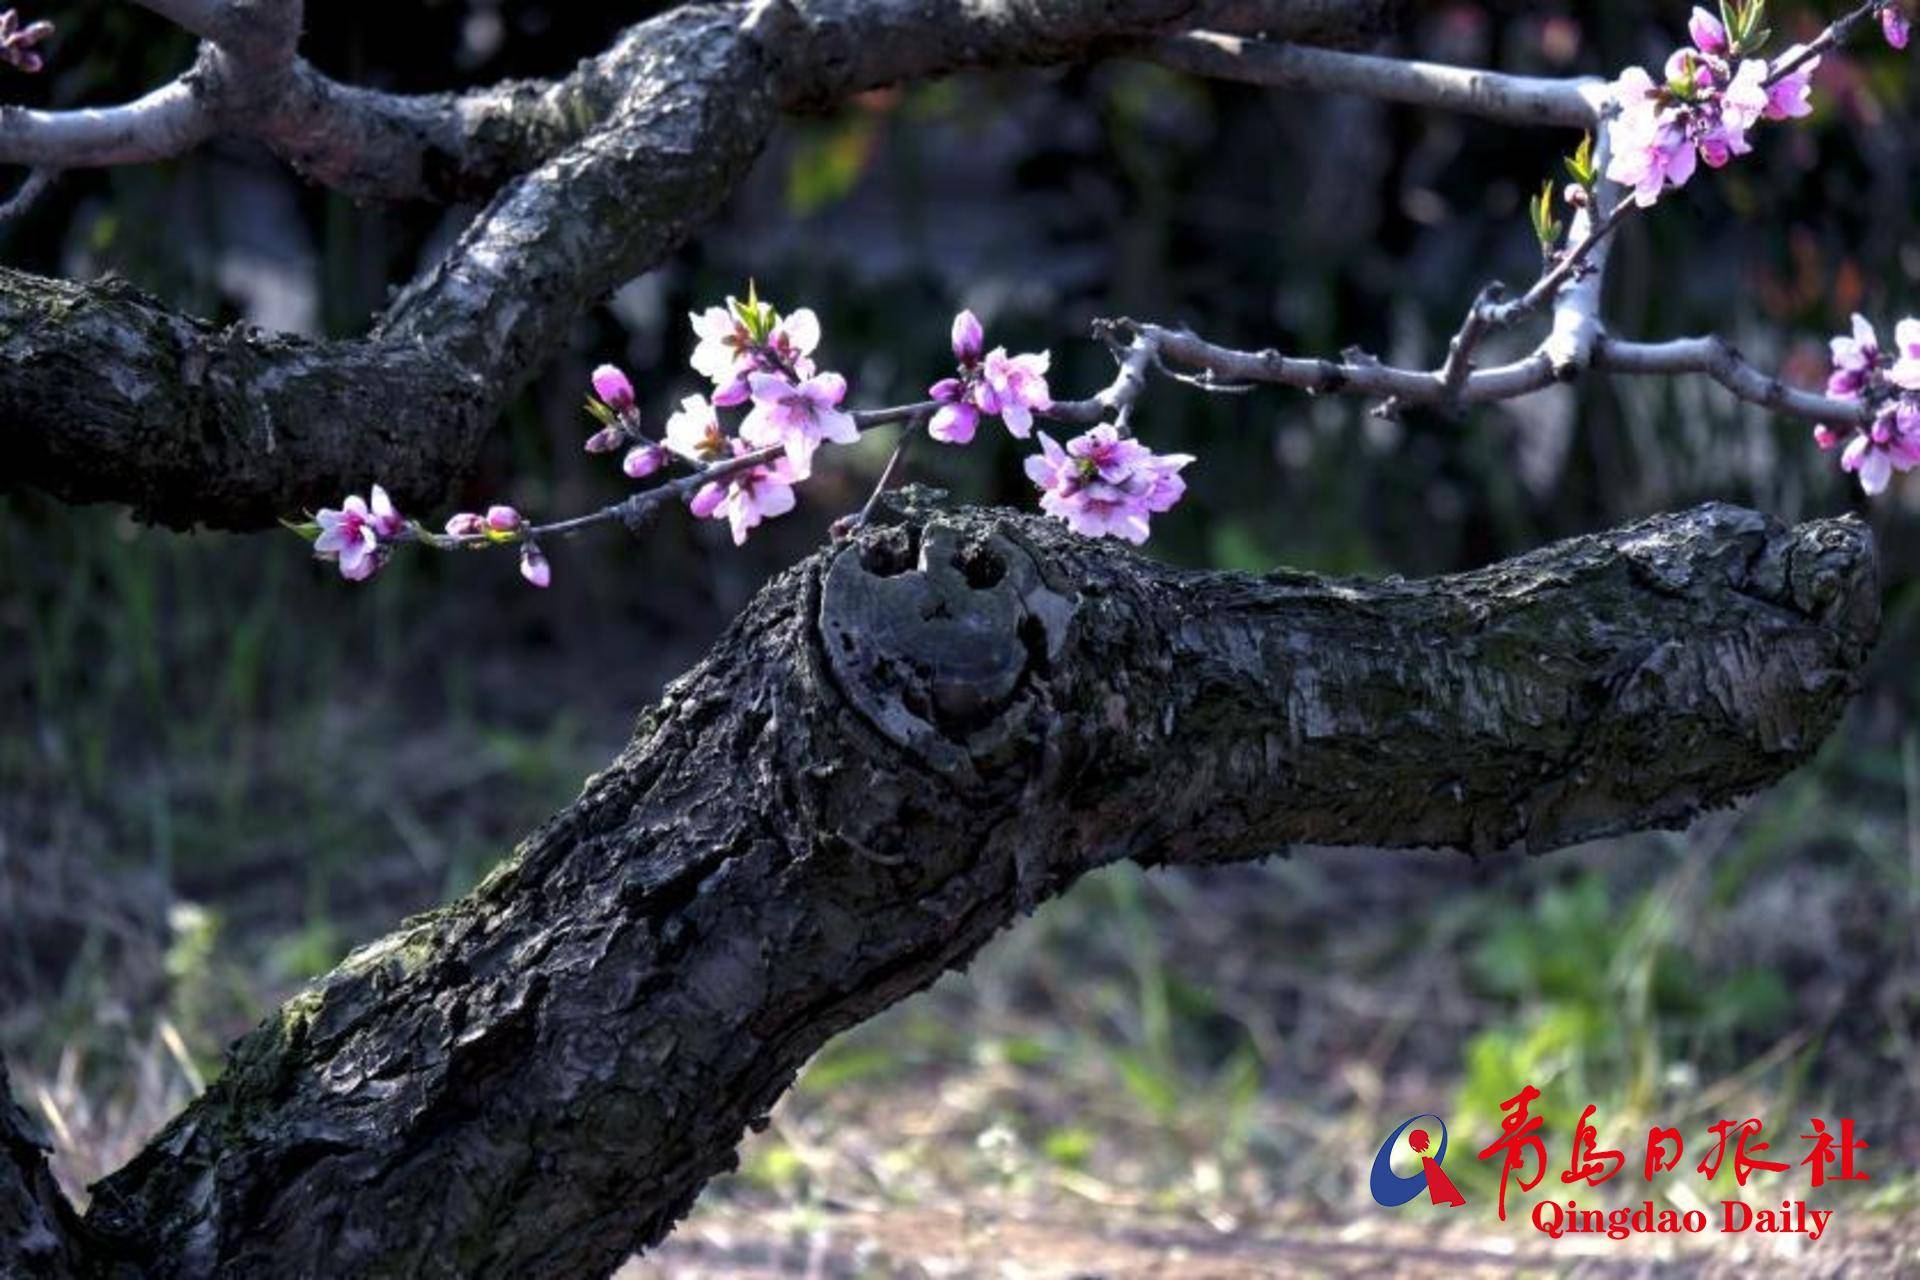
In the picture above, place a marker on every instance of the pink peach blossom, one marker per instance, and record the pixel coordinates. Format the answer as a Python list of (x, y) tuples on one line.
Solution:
[(1013, 387), (1105, 485), (746, 498), (802, 417)]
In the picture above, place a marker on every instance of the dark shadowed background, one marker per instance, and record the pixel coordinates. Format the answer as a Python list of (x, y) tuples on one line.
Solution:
[(221, 766)]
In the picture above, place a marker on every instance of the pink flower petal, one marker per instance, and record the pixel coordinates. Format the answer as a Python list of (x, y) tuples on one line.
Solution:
[(954, 423), (708, 499), (534, 567)]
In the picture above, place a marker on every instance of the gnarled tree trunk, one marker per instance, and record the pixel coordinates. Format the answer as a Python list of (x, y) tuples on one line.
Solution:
[(39, 1233), (901, 746)]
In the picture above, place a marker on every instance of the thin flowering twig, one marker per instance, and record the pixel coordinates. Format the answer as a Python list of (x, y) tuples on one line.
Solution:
[(1368, 378), (635, 508), (382, 529), (1833, 36), (1709, 355), (1151, 344), (1101, 483)]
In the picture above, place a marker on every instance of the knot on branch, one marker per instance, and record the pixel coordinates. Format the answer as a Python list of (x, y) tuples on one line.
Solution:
[(1824, 571), (941, 633), (1829, 573)]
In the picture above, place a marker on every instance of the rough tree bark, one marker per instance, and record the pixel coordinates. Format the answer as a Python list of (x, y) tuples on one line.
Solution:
[(39, 1233), (902, 745)]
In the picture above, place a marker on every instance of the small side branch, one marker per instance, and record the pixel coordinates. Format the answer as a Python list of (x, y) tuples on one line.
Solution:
[(1836, 34), (28, 194), (163, 124), (1459, 364), (1720, 360), (1570, 266), (1363, 376), (1577, 325), (1491, 95)]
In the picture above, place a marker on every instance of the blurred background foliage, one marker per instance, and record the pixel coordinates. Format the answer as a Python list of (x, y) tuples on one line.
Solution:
[(220, 766)]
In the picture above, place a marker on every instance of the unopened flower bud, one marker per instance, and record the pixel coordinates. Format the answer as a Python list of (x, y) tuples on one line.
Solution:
[(534, 567), (606, 440), (613, 388), (503, 519), (708, 499), (643, 460), (1894, 23), (1709, 35), (1825, 437), (466, 525), (969, 340)]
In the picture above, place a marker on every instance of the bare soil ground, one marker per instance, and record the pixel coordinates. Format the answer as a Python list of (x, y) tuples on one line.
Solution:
[(735, 1242)]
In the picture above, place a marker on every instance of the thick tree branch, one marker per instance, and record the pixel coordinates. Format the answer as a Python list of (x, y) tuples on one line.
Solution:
[(901, 746), (249, 82), (111, 396)]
